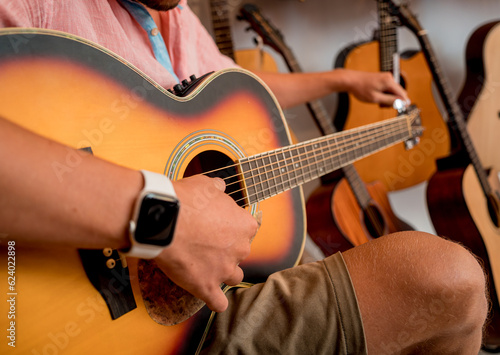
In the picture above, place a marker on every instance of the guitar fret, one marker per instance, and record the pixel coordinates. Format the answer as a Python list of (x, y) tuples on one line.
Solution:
[(263, 178), (277, 178), (306, 163), (290, 169), (248, 177), (284, 171), (270, 175), (297, 166)]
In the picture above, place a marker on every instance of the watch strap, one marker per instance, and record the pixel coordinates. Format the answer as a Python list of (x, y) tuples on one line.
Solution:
[(153, 183)]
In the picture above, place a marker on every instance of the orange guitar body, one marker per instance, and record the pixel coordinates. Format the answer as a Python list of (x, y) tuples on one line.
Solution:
[(74, 92), (336, 221), (396, 167)]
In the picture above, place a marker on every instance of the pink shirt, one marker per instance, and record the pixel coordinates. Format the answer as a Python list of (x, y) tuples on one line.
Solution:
[(106, 22)]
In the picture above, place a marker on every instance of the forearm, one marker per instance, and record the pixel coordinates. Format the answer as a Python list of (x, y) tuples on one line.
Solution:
[(88, 206), (292, 89)]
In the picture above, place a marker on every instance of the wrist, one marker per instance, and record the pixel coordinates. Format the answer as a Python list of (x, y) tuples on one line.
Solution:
[(154, 216), (342, 81)]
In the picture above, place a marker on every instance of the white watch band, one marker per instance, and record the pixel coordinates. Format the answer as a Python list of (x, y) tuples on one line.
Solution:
[(153, 183)]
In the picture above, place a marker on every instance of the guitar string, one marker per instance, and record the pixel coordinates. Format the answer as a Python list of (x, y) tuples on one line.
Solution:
[(312, 153), (343, 148), (298, 177), (322, 150), (366, 129)]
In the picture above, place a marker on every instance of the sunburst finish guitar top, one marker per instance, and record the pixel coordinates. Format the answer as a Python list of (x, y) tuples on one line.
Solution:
[(68, 90)]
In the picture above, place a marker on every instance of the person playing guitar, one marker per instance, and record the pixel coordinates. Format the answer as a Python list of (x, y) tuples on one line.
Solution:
[(410, 292)]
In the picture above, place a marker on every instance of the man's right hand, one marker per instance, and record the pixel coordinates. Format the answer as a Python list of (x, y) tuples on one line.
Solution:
[(212, 237)]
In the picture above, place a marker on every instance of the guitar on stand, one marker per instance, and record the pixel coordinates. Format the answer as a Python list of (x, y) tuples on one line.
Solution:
[(346, 212), (479, 98), (397, 168), (464, 200), (250, 59)]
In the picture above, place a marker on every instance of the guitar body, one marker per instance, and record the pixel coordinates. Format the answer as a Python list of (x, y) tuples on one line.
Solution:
[(255, 59), (336, 221), (469, 223), (480, 97), (77, 93), (395, 167)]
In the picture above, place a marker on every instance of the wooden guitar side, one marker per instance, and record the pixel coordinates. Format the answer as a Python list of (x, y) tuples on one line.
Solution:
[(336, 221), (468, 223), (396, 167), (480, 97)]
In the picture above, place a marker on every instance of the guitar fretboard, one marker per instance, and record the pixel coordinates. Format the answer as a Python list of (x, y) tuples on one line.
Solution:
[(387, 37), (222, 27), (270, 173)]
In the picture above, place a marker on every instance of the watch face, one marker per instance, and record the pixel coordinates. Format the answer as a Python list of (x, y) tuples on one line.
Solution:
[(156, 221)]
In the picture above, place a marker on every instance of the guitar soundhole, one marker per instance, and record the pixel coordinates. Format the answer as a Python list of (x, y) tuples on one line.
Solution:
[(374, 221), (216, 164)]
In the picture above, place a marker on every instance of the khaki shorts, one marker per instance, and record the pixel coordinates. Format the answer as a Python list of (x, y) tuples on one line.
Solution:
[(308, 309)]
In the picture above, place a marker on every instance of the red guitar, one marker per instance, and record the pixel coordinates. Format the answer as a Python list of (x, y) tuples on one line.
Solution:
[(224, 124)]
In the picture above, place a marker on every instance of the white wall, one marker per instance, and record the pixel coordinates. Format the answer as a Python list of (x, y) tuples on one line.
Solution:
[(316, 30)]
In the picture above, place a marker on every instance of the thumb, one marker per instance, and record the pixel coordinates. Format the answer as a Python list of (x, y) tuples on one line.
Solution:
[(219, 183), (217, 300)]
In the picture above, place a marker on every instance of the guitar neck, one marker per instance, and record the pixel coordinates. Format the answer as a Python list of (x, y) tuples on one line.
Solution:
[(455, 117), (387, 39), (270, 173), (222, 27)]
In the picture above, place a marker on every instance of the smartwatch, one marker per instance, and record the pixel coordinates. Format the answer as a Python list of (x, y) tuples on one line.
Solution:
[(154, 217)]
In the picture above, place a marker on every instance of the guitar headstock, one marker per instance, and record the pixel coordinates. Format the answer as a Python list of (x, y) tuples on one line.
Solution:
[(413, 115), (403, 13), (269, 34)]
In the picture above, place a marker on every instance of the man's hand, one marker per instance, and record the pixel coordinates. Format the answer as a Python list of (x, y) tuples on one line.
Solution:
[(212, 237), (379, 88)]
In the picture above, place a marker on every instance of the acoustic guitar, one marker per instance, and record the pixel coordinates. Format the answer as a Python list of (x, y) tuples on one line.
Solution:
[(463, 201), (396, 167), (343, 213), (480, 95), (225, 124), (255, 59)]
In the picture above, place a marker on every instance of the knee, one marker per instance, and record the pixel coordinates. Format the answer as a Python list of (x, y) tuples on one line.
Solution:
[(448, 278)]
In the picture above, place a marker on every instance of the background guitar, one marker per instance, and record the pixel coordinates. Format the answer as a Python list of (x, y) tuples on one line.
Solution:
[(480, 95), (90, 102), (250, 59), (395, 167), (341, 213), (464, 202)]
